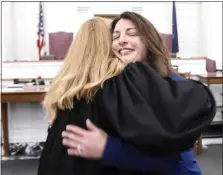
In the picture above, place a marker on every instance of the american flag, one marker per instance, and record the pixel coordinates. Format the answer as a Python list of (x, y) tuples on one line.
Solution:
[(40, 33)]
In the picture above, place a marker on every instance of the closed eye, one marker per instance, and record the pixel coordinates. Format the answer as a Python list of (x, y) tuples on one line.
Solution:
[(114, 37), (132, 32)]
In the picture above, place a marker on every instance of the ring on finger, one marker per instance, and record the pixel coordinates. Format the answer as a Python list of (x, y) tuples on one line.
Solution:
[(79, 149)]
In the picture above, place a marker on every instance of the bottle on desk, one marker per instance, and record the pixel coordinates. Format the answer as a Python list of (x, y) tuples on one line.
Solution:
[(40, 81)]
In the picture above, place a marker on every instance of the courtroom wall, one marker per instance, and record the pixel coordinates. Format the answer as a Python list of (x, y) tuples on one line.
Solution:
[(20, 21)]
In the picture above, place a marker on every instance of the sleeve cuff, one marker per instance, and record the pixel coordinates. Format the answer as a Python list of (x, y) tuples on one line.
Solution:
[(113, 148)]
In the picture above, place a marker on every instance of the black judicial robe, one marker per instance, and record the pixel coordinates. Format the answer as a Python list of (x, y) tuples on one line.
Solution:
[(157, 115)]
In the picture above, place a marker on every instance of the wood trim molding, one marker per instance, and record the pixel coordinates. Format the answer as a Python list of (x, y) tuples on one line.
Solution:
[(32, 61), (111, 16)]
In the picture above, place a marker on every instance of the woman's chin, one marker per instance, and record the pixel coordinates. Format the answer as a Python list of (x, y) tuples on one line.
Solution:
[(127, 59)]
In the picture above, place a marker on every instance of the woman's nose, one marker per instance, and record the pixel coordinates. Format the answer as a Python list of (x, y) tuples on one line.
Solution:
[(122, 40)]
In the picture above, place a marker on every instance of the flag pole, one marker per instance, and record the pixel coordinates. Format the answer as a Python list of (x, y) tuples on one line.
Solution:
[(175, 44)]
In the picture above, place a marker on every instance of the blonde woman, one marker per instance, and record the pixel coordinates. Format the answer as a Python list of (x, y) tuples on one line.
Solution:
[(124, 99)]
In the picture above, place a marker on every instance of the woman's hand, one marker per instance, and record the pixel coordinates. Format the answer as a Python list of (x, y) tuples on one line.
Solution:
[(85, 143)]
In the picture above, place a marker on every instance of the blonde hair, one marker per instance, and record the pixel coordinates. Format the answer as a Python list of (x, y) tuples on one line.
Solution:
[(88, 63)]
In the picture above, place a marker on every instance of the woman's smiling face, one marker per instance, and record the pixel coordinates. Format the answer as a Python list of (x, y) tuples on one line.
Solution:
[(127, 43)]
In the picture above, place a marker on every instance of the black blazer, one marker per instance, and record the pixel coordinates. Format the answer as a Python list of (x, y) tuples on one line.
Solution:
[(157, 115)]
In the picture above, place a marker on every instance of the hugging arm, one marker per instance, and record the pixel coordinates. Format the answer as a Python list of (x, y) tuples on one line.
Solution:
[(155, 114), (125, 156)]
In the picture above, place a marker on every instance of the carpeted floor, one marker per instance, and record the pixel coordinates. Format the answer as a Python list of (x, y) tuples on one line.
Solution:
[(210, 162)]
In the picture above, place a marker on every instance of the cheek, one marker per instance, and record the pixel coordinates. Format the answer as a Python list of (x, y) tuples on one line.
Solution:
[(142, 50), (114, 47)]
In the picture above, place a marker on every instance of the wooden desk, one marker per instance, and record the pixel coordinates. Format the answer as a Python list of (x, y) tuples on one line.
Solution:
[(209, 79), (27, 94)]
